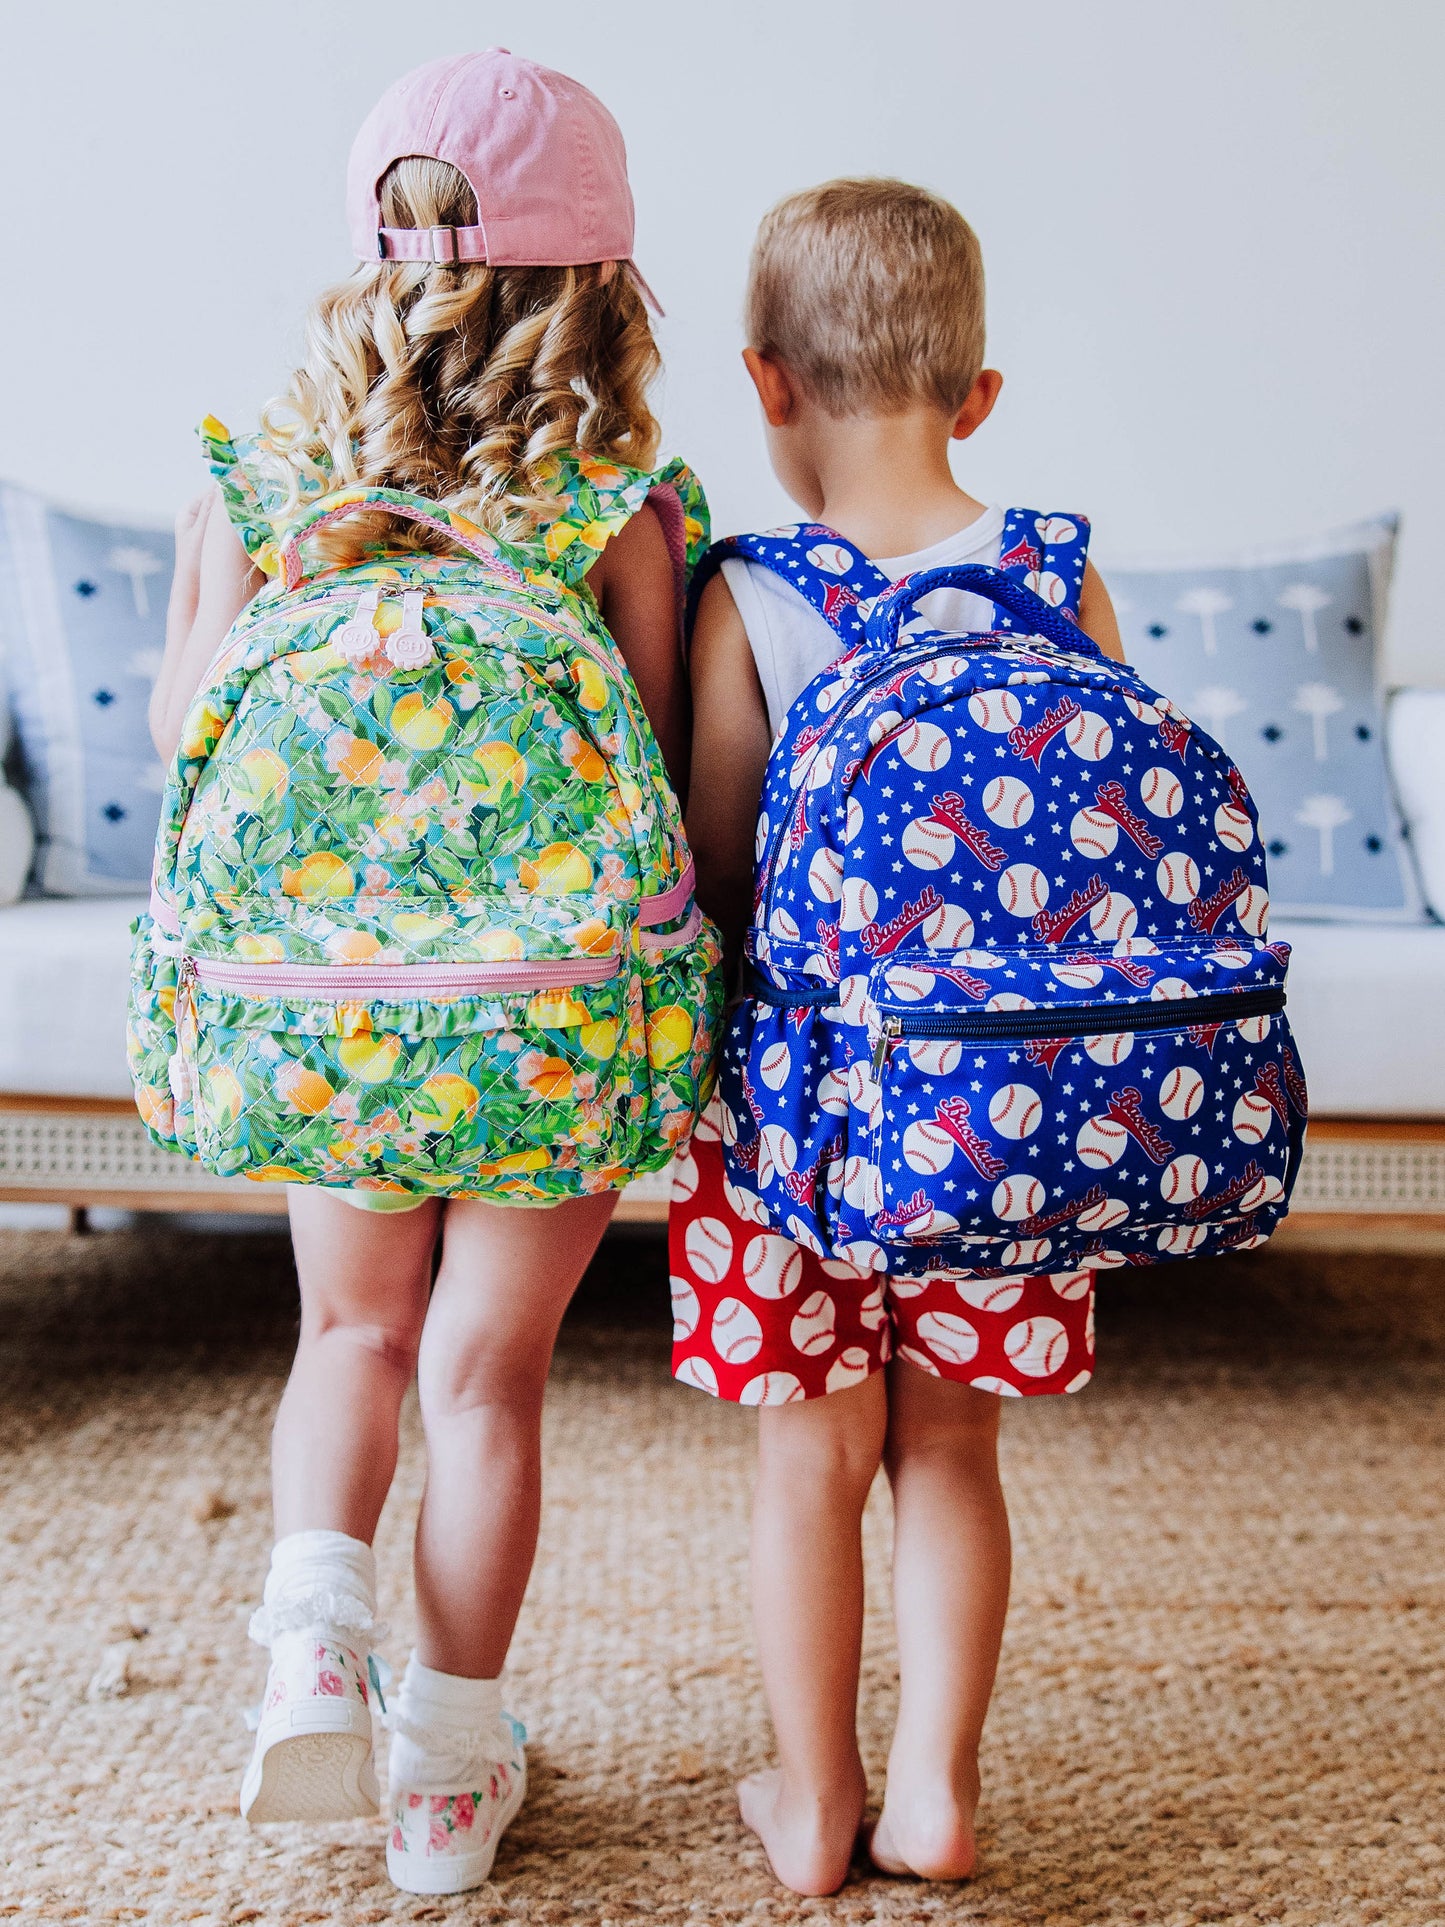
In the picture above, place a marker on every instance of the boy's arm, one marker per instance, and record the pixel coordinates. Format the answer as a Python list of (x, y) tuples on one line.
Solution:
[(1096, 614), (730, 744)]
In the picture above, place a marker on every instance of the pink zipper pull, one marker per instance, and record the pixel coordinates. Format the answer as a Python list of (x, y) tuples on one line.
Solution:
[(357, 639), (409, 647)]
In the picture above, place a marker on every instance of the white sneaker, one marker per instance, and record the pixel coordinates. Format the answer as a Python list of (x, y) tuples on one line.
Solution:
[(313, 1757), (442, 1839)]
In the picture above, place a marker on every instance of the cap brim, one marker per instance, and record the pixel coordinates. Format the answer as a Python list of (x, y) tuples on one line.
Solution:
[(642, 288)]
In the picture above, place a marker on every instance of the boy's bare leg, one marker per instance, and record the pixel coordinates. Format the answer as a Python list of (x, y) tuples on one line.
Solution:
[(816, 1462), (951, 1558)]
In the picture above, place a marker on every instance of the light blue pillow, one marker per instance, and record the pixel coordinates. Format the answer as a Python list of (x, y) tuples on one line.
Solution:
[(82, 624), (1273, 652)]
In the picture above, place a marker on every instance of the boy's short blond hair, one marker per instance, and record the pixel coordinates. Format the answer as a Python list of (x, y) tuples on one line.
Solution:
[(872, 292)]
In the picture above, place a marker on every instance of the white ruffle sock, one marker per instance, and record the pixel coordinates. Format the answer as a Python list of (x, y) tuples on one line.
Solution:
[(321, 1583), (443, 1728)]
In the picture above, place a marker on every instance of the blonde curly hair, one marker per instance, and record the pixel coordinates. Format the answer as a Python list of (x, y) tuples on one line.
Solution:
[(460, 382)]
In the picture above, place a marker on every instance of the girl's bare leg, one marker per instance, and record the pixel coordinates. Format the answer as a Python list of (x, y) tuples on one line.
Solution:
[(365, 1278), (506, 1277), (816, 1463), (951, 1559)]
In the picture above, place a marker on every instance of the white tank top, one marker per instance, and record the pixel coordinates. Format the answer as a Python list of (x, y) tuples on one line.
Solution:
[(791, 642)]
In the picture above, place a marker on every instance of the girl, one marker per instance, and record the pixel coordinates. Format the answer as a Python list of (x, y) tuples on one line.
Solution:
[(493, 354)]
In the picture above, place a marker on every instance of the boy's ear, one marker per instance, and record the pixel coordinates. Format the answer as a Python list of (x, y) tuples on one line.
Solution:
[(774, 386), (979, 405)]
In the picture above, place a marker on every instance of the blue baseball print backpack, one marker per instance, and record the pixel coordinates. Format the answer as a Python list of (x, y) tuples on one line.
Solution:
[(1012, 1005)]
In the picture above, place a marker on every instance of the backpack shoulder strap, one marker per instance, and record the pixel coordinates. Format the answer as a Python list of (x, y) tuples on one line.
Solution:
[(1046, 552), (827, 572)]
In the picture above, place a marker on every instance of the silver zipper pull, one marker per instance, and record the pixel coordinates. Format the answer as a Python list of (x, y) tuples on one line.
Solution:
[(357, 639), (410, 647), (889, 1032)]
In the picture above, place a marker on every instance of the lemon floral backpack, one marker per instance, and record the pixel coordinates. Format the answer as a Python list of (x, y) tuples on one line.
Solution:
[(422, 916)]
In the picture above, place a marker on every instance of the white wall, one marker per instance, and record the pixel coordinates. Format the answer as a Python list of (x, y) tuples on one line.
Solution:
[(1212, 232)]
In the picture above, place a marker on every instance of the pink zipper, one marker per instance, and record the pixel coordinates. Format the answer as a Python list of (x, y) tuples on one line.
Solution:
[(398, 982)]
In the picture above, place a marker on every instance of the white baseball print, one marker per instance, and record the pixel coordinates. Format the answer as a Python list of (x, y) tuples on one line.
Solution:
[(949, 1336), (935, 1056), (1253, 1030), (684, 1175), (1184, 1179), (1182, 1092), (924, 746), (1232, 955), (1114, 916), (1178, 877), (1037, 1347), (1051, 587), (698, 1373), (831, 557), (928, 845), (752, 1210), (1251, 911), (686, 1309), (814, 1327), (709, 1125), (1072, 1285), (833, 1093), (872, 1312), (1008, 801), (860, 903), (777, 1062), (1233, 827), (1009, 1000), (736, 1334), (863, 1092), (949, 927), (850, 1367), (1078, 976), (1145, 712), (853, 821), (709, 1247), (1169, 989), (825, 875), (1094, 833), (1023, 890), (863, 1185), (772, 1266), (772, 1388), (928, 1148), (1161, 791), (853, 999), (1053, 530), (783, 926), (820, 770), (883, 724), (1253, 1116), (1026, 1251), (1106, 1216), (1264, 1191), (1101, 1142), (995, 710), (1017, 1197), (1089, 736), (1112, 1048), (760, 841), (908, 985), (777, 1154), (801, 1232), (1177, 1239), (990, 1294), (1015, 1111)]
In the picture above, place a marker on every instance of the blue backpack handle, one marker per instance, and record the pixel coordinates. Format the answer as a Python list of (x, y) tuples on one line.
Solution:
[(1005, 591)]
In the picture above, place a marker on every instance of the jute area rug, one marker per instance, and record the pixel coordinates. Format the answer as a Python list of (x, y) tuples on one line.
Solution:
[(1221, 1696)]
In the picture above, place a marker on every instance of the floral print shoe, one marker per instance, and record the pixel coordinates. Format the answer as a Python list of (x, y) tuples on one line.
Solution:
[(313, 1757), (443, 1838)]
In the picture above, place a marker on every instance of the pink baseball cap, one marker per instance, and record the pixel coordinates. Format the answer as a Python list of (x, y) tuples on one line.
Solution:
[(542, 154)]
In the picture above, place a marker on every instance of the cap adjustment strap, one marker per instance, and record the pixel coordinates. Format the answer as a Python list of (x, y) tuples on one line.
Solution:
[(442, 246)]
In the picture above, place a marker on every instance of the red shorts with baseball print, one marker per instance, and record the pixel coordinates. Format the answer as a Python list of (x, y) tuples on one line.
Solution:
[(759, 1320)]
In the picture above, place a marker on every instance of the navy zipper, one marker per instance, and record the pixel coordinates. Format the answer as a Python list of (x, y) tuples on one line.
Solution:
[(1076, 1020)]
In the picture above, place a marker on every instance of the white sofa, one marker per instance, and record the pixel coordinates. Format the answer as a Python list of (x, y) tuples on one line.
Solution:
[(1367, 1003)]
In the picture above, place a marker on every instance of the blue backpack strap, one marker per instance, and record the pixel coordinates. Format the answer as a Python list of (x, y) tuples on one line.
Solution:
[(829, 573), (1047, 553)]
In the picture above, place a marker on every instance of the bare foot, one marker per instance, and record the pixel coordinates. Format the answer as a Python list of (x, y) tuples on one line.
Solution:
[(929, 1835), (809, 1839)]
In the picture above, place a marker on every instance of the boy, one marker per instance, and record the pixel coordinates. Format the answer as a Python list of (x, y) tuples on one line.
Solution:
[(866, 332)]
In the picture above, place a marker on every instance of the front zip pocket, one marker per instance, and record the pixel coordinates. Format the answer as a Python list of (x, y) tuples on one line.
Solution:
[(1089, 1133), (509, 1079)]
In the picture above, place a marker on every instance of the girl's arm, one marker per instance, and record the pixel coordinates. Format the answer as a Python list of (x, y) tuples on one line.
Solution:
[(636, 591), (214, 581), (1096, 614), (730, 746)]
